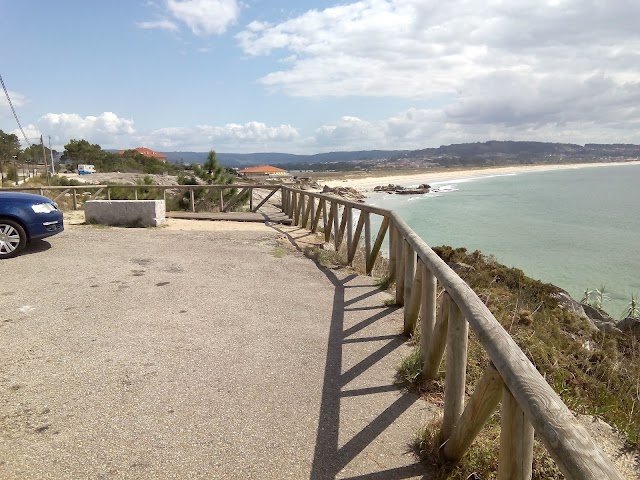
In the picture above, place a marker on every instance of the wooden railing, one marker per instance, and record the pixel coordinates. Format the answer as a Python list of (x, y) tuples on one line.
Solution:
[(212, 192), (529, 404)]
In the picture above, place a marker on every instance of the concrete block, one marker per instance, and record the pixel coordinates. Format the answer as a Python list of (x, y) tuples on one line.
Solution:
[(126, 213)]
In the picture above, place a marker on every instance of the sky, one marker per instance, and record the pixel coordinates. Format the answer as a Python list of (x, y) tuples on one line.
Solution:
[(317, 76)]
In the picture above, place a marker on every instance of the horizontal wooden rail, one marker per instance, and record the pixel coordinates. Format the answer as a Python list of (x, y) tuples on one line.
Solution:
[(528, 402), (214, 191)]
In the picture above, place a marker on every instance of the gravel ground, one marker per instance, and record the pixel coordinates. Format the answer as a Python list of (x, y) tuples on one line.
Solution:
[(217, 353)]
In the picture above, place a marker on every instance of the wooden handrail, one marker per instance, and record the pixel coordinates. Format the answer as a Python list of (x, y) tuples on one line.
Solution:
[(525, 390), (59, 191), (527, 397)]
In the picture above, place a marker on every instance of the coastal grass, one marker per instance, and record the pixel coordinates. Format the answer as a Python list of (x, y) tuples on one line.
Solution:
[(331, 258), (481, 461), (594, 373)]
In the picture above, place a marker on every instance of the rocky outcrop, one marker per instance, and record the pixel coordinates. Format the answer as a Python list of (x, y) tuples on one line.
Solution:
[(567, 303), (598, 318), (391, 188), (630, 324), (348, 193)]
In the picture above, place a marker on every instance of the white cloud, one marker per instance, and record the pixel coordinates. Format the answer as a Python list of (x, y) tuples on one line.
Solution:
[(412, 48), (106, 129), (202, 17), (523, 67), (205, 17), (113, 132), (162, 24), (233, 137), (17, 99)]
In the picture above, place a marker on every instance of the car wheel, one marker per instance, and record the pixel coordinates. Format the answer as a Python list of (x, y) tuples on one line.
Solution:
[(12, 238)]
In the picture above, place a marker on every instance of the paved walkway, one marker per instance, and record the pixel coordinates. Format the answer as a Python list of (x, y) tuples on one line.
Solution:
[(154, 353)]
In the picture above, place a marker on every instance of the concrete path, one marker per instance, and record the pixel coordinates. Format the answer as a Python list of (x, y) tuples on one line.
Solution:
[(156, 353)]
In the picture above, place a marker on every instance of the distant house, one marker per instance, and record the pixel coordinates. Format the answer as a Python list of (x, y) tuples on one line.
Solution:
[(264, 171), (147, 152)]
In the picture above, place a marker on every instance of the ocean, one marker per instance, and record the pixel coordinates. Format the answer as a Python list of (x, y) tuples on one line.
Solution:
[(578, 229)]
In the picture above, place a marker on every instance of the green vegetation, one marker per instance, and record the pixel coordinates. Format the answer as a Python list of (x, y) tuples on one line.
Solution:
[(78, 152), (384, 282), (481, 460), (279, 252), (9, 148), (594, 373), (633, 309), (212, 173)]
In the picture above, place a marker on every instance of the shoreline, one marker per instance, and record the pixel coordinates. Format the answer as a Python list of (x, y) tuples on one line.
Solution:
[(368, 182)]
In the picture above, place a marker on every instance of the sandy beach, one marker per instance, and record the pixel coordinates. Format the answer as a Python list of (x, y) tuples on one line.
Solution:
[(373, 179)]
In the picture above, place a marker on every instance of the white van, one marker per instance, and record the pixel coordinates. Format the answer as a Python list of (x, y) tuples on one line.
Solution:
[(84, 169)]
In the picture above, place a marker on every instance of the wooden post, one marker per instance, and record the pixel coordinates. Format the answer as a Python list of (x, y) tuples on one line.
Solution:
[(371, 260), (329, 222), (336, 223), (516, 441), (164, 199), (438, 341), (293, 207), (349, 228), (412, 307), (284, 197), (303, 205), (296, 210), (367, 242), (325, 215), (392, 253), (456, 374), (312, 216), (316, 218), (108, 193), (481, 405), (193, 200), (400, 249), (409, 270), (427, 310), (221, 199), (356, 238), (75, 200), (251, 199), (343, 227)]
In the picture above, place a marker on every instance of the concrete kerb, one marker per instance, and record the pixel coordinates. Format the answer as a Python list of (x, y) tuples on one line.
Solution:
[(130, 213)]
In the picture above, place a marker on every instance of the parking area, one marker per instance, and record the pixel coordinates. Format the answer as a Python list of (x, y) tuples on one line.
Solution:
[(175, 353)]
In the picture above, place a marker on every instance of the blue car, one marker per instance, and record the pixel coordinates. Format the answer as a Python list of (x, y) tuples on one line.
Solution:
[(25, 217)]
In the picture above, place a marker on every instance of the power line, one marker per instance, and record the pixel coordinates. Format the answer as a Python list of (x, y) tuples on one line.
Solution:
[(6, 92)]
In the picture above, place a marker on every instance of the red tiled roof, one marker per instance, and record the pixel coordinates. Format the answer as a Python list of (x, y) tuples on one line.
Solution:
[(263, 169), (147, 152)]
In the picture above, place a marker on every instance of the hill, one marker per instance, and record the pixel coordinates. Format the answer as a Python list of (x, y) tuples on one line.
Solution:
[(480, 153)]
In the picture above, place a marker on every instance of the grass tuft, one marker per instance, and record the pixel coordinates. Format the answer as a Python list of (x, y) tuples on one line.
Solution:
[(408, 372), (481, 460), (384, 282)]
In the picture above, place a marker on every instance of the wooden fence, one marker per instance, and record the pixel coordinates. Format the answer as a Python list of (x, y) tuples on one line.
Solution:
[(81, 193), (529, 404)]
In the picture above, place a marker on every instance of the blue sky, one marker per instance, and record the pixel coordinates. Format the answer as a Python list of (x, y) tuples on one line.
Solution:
[(263, 75)]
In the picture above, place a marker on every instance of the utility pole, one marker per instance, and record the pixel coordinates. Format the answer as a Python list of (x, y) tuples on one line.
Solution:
[(53, 170), (44, 156)]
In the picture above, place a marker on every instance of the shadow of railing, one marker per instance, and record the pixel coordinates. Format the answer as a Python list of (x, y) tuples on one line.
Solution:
[(330, 457)]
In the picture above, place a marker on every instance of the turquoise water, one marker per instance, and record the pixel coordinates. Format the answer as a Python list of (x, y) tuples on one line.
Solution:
[(577, 228)]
